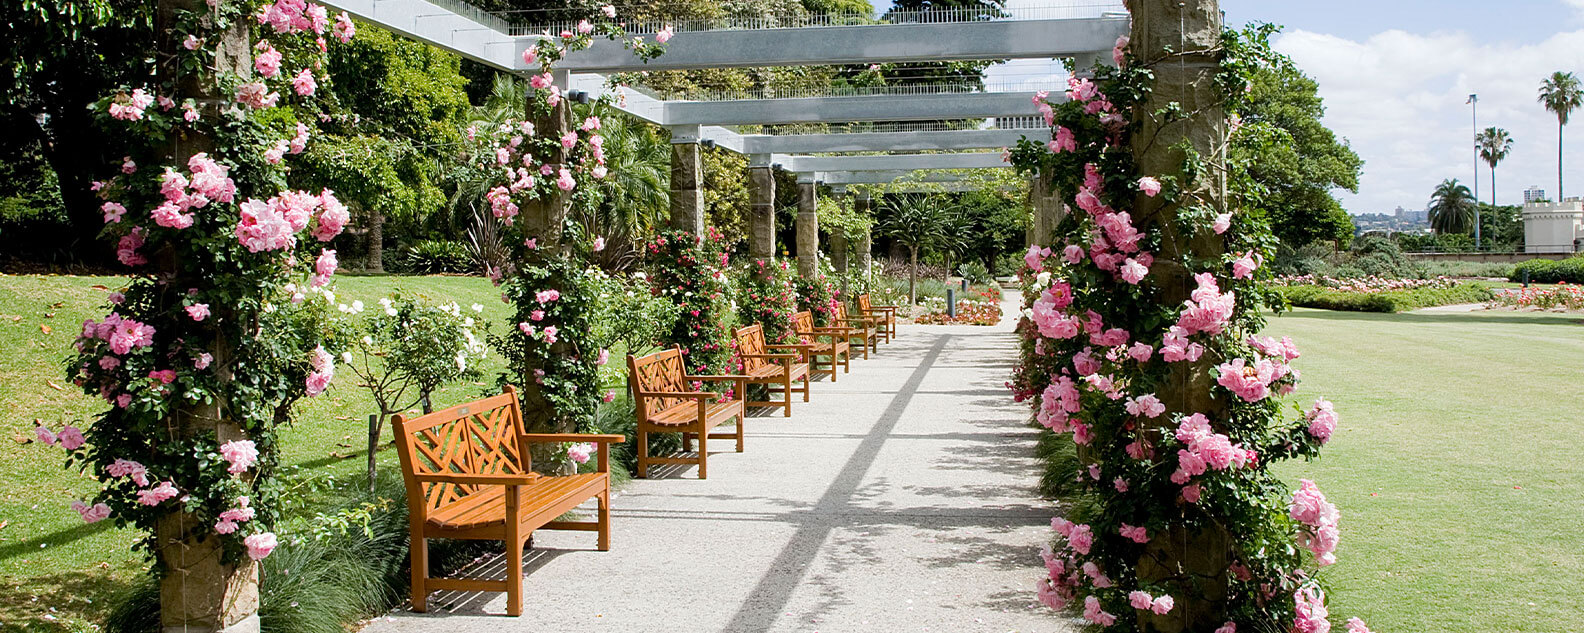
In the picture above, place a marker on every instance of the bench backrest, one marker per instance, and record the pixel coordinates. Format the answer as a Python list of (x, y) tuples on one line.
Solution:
[(840, 315), (479, 437), (863, 302), (660, 371), (751, 342), (803, 323)]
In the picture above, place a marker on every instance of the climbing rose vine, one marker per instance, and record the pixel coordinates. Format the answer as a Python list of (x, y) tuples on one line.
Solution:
[(1099, 338), (224, 322), (766, 296), (690, 270)]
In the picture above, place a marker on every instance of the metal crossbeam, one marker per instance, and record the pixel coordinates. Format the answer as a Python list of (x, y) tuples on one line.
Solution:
[(888, 141), (895, 162), (842, 109)]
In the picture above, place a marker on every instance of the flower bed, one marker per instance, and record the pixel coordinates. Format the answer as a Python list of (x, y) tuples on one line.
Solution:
[(1384, 300), (1561, 296), (985, 309)]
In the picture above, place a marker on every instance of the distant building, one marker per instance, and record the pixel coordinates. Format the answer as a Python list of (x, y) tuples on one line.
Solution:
[(1534, 194), (1553, 227)]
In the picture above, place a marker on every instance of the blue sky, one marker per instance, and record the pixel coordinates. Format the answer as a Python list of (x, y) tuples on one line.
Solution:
[(1396, 74)]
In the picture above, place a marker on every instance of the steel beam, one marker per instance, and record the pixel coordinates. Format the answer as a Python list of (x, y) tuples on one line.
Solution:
[(895, 162), (888, 141), (847, 109)]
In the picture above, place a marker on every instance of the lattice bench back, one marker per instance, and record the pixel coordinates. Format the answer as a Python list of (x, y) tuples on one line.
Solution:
[(751, 342), (803, 323), (657, 372), (863, 303), (479, 437)]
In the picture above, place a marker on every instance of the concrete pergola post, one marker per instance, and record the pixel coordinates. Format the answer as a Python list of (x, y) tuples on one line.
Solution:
[(1047, 206), (864, 206), (687, 175), (544, 218), (807, 228), (1179, 39), (761, 208)]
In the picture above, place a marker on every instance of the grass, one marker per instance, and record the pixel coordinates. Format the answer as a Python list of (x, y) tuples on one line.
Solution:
[(51, 564), (1455, 465), (1385, 301)]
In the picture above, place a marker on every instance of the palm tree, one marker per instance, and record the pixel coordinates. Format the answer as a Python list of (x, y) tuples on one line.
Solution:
[(1494, 146), (1561, 95), (1452, 208), (916, 222)]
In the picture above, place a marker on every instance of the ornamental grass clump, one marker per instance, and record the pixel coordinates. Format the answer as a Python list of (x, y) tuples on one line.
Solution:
[(1166, 392)]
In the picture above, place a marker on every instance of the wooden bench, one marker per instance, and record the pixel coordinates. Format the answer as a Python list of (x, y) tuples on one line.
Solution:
[(764, 368), (864, 330), (469, 475), (884, 316), (666, 402), (834, 344)]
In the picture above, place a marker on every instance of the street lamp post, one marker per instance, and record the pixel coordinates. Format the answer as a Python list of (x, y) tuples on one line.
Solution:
[(1473, 101)]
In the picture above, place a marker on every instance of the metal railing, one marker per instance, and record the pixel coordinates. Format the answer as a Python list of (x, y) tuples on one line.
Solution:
[(1001, 123), (531, 22)]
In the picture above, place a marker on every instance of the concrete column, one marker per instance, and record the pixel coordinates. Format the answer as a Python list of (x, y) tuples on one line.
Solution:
[(687, 175), (544, 218), (1047, 207), (1179, 39), (864, 206), (761, 208), (807, 230)]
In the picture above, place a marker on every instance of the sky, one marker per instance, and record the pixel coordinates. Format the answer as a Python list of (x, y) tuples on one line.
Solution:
[(1396, 74)]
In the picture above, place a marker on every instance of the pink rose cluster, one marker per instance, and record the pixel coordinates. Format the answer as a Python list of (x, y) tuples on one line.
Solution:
[(240, 454), (579, 452), (268, 225), (1206, 450), (1319, 519), (323, 366), (230, 519), (130, 107), (123, 334)]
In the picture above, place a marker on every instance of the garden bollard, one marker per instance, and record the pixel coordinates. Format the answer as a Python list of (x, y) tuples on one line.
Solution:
[(1526, 279), (965, 285), (951, 302)]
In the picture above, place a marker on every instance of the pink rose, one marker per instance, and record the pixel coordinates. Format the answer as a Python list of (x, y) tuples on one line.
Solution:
[(1162, 605), (260, 545), (1150, 186), (198, 311), (241, 454), (71, 438)]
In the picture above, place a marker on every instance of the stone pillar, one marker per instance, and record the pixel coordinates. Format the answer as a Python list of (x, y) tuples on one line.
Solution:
[(761, 208), (687, 176), (865, 207), (198, 591), (1179, 40), (545, 218), (1047, 207), (807, 230)]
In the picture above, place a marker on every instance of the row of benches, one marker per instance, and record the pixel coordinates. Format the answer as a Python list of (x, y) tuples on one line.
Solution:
[(469, 472)]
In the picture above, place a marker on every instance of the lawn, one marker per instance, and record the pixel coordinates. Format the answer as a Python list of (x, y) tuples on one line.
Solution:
[(51, 564), (1456, 465)]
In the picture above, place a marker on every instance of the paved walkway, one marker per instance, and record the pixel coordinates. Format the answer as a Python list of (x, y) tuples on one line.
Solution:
[(901, 498)]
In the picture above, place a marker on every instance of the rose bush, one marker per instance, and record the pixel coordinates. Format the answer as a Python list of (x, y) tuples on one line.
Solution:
[(690, 270), (1100, 336)]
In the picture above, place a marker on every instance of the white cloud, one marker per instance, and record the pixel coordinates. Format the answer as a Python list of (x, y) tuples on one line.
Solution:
[(1400, 99)]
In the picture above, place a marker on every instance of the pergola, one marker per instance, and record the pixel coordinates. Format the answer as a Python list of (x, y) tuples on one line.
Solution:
[(1083, 30)]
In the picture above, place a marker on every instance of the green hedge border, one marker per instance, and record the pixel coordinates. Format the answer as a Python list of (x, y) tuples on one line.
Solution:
[(1388, 301)]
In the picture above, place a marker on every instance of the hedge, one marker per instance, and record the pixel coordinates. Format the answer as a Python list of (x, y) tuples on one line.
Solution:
[(1550, 271), (1387, 301)]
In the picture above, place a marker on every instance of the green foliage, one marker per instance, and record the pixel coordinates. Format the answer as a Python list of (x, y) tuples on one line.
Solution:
[(996, 223), (1388, 301), (690, 271), (975, 273), (630, 317), (1295, 157), (430, 257), (818, 296), (1548, 271), (766, 295), (838, 214)]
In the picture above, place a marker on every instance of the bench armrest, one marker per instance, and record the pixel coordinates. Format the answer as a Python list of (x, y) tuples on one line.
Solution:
[(540, 438), (473, 479), (773, 356), (796, 346), (696, 395), (715, 377)]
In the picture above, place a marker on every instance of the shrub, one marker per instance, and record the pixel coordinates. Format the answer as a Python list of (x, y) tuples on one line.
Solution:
[(1311, 296), (690, 271), (766, 295), (1564, 296), (817, 296), (1467, 269), (975, 273), (433, 257), (1547, 271)]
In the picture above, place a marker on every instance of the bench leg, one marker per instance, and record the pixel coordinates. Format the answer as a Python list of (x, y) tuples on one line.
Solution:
[(846, 363), (786, 394), (687, 442), (514, 555), (806, 375), (742, 422), (420, 571), (833, 360), (604, 520), (703, 451), (643, 454)]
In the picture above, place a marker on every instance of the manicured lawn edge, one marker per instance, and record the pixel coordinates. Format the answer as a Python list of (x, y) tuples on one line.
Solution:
[(1386, 301)]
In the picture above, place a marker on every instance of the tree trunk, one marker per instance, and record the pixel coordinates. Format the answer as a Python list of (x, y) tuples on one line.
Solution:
[(1179, 41), (1559, 196), (376, 242), (375, 422)]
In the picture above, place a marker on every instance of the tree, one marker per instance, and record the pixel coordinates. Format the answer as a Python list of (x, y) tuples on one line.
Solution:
[(1561, 94), (1296, 157), (1494, 146), (1452, 208), (917, 222), (999, 223)]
